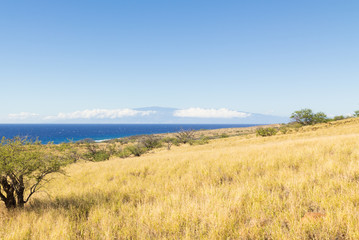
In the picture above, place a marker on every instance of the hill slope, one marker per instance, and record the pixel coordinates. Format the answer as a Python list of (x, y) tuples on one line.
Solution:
[(303, 185)]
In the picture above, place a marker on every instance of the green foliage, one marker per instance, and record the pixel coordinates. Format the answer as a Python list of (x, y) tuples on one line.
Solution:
[(111, 148), (101, 155), (319, 117), (201, 141), (170, 141), (224, 135), (95, 154), (356, 113), (265, 132), (284, 129), (137, 150), (307, 117), (151, 142), (124, 153), (337, 118), (24, 164)]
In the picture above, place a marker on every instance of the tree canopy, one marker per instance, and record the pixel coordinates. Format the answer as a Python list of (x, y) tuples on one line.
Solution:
[(307, 117)]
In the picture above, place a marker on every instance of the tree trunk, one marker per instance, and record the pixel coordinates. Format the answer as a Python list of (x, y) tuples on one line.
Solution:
[(9, 199), (20, 193)]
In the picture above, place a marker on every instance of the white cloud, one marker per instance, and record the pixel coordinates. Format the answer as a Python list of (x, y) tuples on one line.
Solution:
[(100, 114), (22, 115), (210, 113)]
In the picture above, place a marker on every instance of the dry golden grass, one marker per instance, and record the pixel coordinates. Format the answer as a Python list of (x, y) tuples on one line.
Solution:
[(302, 185)]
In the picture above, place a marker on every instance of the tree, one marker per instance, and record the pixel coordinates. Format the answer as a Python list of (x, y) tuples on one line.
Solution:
[(319, 117), (24, 164), (356, 113), (307, 117), (304, 116)]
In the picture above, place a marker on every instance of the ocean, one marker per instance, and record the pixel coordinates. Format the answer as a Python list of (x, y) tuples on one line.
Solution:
[(58, 133)]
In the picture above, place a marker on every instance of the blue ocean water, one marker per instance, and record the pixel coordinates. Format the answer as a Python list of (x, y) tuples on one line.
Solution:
[(58, 133)]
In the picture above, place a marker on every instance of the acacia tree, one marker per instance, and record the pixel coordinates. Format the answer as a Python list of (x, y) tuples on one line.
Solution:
[(24, 164)]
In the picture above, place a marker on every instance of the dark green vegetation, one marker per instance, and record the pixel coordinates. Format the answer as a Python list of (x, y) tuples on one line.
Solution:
[(265, 132), (307, 117)]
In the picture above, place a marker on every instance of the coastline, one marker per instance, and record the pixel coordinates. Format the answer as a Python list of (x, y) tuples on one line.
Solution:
[(211, 133)]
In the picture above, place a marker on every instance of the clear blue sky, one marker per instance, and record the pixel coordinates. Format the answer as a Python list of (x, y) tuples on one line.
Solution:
[(257, 56)]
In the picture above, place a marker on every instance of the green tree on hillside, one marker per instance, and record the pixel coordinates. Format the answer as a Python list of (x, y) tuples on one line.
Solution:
[(24, 165), (307, 117), (356, 113)]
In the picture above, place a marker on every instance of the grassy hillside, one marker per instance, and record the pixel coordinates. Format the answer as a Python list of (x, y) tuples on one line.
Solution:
[(303, 185)]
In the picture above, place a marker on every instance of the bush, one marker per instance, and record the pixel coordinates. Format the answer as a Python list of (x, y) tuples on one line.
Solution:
[(95, 154), (185, 136), (137, 150), (151, 142), (264, 132), (201, 141), (224, 135), (124, 153), (100, 156), (284, 129), (337, 118), (170, 141)]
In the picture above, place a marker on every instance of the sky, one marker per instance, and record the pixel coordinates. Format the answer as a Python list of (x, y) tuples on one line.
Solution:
[(269, 57)]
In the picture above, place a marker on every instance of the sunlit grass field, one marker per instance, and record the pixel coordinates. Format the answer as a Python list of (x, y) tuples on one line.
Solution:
[(302, 185)]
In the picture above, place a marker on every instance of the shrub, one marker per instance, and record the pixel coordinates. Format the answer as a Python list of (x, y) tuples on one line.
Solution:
[(264, 132), (201, 141), (224, 135), (95, 154), (185, 136), (151, 142), (101, 155), (124, 153), (111, 148), (284, 129), (337, 118), (137, 150), (170, 141)]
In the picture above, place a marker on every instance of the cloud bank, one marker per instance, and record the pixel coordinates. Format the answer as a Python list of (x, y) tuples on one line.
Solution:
[(22, 115), (100, 114), (210, 113)]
